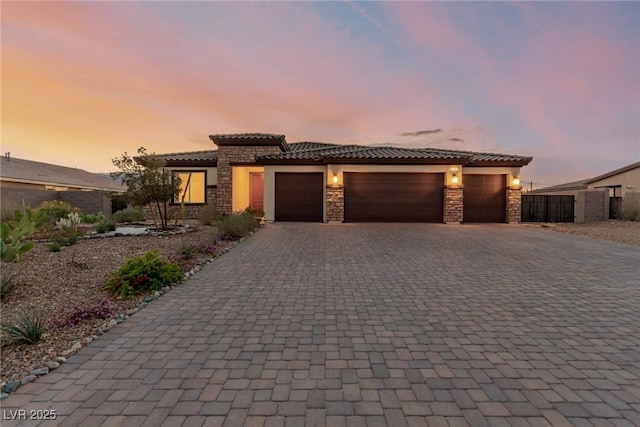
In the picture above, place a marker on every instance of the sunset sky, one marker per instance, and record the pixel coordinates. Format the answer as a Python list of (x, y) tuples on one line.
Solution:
[(82, 82)]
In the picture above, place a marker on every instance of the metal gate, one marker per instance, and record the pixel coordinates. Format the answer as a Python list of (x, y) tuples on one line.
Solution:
[(543, 208)]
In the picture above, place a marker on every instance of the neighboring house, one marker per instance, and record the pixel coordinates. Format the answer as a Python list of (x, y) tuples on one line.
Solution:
[(311, 181), (25, 183), (602, 197)]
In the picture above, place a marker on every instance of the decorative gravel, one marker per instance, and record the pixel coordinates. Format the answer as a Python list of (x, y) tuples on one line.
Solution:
[(52, 283), (614, 231)]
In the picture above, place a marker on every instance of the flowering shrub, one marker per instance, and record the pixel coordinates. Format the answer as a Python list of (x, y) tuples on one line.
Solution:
[(208, 248), (103, 309)]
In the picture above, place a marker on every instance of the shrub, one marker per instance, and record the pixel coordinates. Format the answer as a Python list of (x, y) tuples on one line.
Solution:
[(208, 215), (54, 247), (103, 309), (630, 213), (237, 225), (208, 248), (127, 215), (7, 283), (257, 213), (143, 273), (90, 218), (27, 330), (48, 213), (106, 225), (66, 237), (187, 250)]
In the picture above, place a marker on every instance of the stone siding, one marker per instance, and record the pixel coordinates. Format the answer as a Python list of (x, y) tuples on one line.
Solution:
[(453, 205), (228, 154), (514, 205), (335, 203)]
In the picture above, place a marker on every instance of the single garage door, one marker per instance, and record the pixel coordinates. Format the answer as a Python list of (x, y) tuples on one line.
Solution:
[(299, 196), (393, 197), (484, 198)]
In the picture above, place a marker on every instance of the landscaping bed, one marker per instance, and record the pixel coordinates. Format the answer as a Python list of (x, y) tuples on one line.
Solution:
[(56, 285)]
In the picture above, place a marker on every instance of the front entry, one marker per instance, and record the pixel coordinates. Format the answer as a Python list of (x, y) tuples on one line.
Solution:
[(256, 190)]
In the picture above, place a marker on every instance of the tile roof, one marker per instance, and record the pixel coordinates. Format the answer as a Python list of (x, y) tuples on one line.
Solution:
[(334, 152), (191, 156), (28, 171), (250, 139), (318, 152)]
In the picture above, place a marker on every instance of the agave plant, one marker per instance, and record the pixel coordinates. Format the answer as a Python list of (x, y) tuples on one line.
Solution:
[(27, 330)]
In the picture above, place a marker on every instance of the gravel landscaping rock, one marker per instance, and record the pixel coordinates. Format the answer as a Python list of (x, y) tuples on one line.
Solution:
[(614, 231), (52, 283)]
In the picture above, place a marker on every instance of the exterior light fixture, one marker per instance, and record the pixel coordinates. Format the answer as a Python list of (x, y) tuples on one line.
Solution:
[(454, 179), (335, 178), (516, 180)]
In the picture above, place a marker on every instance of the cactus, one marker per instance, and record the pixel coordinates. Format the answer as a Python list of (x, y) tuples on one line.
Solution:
[(11, 244)]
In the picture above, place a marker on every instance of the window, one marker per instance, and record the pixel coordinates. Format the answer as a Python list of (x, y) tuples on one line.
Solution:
[(193, 186)]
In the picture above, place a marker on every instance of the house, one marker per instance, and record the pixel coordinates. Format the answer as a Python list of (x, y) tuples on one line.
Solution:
[(26, 183), (600, 198), (321, 182)]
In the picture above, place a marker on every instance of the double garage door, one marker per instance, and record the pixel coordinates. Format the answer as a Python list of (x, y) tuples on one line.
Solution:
[(388, 197), (393, 197)]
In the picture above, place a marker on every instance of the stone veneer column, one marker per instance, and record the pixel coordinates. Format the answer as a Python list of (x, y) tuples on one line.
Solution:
[(335, 203), (227, 156), (224, 201), (453, 204), (514, 205)]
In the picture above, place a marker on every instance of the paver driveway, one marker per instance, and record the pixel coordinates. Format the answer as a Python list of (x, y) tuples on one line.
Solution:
[(373, 324)]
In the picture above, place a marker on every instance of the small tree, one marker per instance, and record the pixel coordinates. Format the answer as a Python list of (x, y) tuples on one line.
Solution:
[(148, 183)]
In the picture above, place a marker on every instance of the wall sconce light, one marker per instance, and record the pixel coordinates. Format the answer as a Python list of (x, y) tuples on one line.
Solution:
[(454, 179), (516, 180), (335, 178)]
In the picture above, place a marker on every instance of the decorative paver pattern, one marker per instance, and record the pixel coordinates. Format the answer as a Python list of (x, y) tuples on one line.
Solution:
[(372, 325)]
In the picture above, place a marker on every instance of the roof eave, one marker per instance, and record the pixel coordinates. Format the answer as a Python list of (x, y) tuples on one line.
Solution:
[(498, 163)]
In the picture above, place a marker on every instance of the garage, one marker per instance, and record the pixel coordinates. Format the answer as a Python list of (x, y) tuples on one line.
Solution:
[(299, 196), (484, 198), (393, 197)]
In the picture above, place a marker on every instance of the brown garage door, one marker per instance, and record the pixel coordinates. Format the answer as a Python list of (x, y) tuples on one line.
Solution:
[(393, 197), (484, 198), (299, 196)]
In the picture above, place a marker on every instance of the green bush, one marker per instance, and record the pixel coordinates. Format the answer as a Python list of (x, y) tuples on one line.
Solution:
[(142, 274), (208, 215), (106, 225), (66, 238), (237, 225), (54, 247), (257, 213), (48, 213), (27, 330), (127, 215), (7, 283), (91, 218)]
